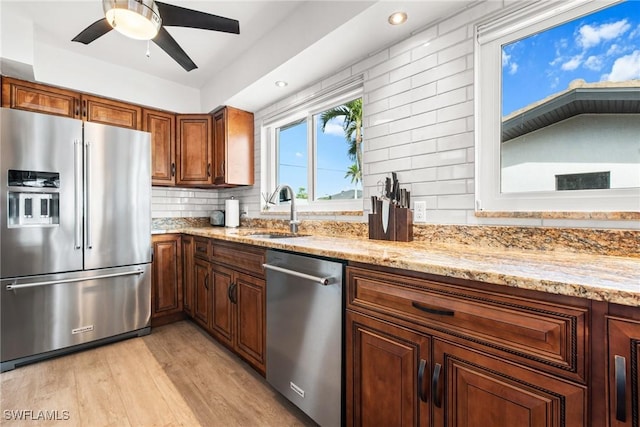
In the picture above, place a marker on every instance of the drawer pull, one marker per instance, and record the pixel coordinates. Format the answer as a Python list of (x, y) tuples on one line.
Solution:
[(435, 382), (421, 382), (432, 310), (621, 388)]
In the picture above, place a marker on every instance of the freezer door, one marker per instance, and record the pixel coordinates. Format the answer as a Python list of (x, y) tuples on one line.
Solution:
[(51, 312), (117, 196), (41, 206)]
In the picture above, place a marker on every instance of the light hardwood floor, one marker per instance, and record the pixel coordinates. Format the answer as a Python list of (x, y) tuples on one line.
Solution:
[(177, 376)]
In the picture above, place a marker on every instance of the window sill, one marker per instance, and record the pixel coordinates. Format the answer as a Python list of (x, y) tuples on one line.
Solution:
[(609, 216)]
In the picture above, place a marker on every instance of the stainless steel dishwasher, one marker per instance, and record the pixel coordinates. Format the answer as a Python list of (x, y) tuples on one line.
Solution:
[(304, 333)]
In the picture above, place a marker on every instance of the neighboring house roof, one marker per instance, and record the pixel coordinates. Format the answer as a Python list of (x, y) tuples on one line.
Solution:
[(579, 98)]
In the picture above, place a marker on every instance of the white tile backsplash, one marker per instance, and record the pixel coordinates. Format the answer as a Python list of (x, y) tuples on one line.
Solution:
[(168, 202)]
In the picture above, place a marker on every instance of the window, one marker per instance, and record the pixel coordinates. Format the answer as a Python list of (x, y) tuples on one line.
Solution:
[(583, 181), (316, 149), (567, 74)]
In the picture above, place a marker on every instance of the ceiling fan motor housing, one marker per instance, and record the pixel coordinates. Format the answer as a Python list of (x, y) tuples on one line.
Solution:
[(137, 19)]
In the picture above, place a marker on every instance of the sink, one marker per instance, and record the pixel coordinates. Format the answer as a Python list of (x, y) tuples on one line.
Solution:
[(275, 235)]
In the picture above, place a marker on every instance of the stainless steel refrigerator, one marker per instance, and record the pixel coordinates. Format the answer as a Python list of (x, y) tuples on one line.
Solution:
[(75, 235)]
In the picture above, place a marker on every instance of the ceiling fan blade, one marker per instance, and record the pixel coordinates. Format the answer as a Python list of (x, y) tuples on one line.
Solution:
[(93, 31), (169, 45), (177, 16)]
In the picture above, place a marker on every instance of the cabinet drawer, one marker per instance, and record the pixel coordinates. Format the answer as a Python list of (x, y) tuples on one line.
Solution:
[(545, 335), (202, 247), (239, 256)]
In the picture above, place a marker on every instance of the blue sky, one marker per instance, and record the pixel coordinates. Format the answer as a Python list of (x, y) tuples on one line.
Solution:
[(332, 160), (602, 46)]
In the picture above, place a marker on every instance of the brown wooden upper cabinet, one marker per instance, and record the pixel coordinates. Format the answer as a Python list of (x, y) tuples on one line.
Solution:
[(23, 95), (39, 98), (194, 150), (109, 112), (233, 147), (162, 126)]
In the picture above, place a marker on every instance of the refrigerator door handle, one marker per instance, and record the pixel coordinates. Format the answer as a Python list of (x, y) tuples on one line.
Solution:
[(76, 279), (77, 164), (87, 183)]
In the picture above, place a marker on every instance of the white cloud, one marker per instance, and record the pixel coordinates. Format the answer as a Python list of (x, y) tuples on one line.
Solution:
[(573, 63), (299, 154), (513, 68), (505, 58), (333, 128), (589, 36), (614, 49), (625, 68), (555, 82), (635, 33), (593, 63)]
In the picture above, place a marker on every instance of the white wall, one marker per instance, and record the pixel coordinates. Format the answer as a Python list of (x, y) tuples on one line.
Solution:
[(419, 121), (582, 144)]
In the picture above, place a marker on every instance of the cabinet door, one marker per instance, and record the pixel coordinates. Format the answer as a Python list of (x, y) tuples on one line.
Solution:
[(167, 275), (470, 388), (194, 149), (387, 370), (163, 142), (222, 308), (188, 284), (109, 112), (248, 294), (233, 138), (39, 98), (624, 372), (202, 282)]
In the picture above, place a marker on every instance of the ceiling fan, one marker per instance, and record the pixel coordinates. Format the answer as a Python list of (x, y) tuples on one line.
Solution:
[(146, 20)]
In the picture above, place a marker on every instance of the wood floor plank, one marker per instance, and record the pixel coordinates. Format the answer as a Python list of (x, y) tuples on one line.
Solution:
[(177, 376)]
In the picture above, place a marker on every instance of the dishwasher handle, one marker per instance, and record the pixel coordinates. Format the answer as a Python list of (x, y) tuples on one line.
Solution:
[(324, 281)]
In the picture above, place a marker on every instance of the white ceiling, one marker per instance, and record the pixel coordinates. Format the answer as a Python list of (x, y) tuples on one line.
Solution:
[(296, 41)]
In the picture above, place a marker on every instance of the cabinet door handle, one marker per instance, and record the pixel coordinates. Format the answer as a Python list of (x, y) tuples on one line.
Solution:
[(435, 382), (222, 168), (206, 282), (421, 382), (229, 289), (208, 169), (432, 310), (173, 169), (621, 388), (84, 108), (234, 293), (76, 105)]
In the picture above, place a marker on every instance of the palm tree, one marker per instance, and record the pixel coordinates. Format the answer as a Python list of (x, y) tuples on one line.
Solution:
[(352, 125), (356, 176)]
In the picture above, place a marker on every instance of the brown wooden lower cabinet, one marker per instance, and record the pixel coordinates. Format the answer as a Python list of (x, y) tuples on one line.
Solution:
[(387, 374), (166, 295), (238, 314), (187, 274), (422, 353), (469, 388), (202, 278), (225, 293), (623, 371)]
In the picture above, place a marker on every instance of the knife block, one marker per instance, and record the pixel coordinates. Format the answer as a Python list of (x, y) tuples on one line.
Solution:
[(399, 229)]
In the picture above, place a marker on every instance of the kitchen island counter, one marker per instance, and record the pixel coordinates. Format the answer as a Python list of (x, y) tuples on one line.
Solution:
[(597, 277)]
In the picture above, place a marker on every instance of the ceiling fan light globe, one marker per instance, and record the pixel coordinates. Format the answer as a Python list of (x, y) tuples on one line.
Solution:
[(137, 19)]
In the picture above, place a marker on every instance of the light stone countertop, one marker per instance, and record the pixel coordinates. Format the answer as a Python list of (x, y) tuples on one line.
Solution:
[(596, 277)]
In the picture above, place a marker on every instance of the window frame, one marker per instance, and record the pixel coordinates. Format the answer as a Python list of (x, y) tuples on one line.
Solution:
[(295, 114), (511, 25)]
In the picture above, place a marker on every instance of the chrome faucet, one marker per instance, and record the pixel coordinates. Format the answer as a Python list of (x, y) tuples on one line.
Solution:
[(293, 222)]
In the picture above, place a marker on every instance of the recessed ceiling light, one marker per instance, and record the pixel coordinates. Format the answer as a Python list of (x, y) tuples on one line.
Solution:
[(281, 83), (397, 18)]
